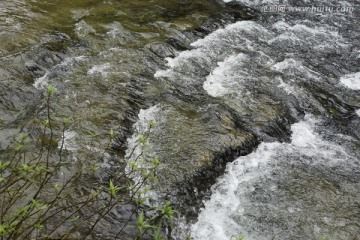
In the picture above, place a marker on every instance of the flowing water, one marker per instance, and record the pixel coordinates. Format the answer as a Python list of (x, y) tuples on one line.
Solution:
[(264, 106), (307, 188)]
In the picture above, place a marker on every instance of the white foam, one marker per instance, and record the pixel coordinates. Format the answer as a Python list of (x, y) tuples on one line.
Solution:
[(69, 141), (223, 74), (141, 127), (214, 48), (241, 27), (99, 69), (281, 26), (145, 116), (303, 134), (83, 29), (43, 81), (230, 194), (289, 89), (301, 36), (118, 32), (287, 64), (232, 76), (179, 60), (295, 67), (214, 221), (351, 81), (358, 112)]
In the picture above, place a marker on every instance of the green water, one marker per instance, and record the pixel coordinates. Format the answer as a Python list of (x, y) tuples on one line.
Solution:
[(99, 57), (41, 34), (25, 22)]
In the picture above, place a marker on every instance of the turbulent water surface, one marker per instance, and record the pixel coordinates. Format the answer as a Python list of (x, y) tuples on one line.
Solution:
[(257, 107), (307, 188)]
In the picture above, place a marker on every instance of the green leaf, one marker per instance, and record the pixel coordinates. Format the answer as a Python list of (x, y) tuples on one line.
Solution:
[(3, 230), (43, 207), (152, 123), (133, 165), (92, 133), (66, 120), (239, 237), (113, 189), (24, 137), (167, 211), (46, 122), (112, 134), (95, 166), (157, 233), (50, 90), (4, 165), (38, 226), (155, 162), (26, 168), (74, 219), (94, 193), (35, 203), (142, 139), (140, 219)]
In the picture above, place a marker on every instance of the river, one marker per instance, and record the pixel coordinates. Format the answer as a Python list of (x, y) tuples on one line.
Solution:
[(256, 104)]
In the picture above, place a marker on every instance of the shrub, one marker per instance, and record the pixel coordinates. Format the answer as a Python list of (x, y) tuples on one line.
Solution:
[(40, 201)]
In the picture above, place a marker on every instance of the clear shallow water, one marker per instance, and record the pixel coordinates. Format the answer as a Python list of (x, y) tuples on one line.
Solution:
[(100, 56), (93, 52)]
